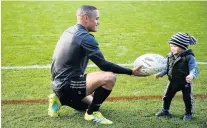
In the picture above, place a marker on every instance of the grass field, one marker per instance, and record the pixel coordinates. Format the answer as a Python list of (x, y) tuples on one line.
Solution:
[(30, 31)]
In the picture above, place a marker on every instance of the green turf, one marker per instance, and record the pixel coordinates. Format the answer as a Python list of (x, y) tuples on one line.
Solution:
[(133, 114), (35, 84), (30, 31)]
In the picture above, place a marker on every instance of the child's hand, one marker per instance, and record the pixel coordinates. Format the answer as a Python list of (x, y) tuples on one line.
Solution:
[(158, 75), (189, 78)]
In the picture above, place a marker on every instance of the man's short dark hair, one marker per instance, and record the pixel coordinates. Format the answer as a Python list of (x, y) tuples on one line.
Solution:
[(86, 10)]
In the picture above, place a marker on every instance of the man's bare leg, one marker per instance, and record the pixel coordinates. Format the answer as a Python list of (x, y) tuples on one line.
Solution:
[(101, 83)]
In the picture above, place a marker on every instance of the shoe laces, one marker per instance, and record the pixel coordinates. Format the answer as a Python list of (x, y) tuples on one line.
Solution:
[(99, 115)]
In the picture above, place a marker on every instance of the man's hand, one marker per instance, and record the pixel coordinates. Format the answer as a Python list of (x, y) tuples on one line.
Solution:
[(136, 71), (189, 78)]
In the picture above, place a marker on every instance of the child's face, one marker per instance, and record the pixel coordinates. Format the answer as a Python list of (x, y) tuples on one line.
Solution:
[(175, 49)]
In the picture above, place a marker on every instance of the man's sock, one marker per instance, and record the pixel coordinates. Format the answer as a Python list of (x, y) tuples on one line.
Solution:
[(100, 95)]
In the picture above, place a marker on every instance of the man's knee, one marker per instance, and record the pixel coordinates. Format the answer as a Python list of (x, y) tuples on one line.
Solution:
[(110, 78)]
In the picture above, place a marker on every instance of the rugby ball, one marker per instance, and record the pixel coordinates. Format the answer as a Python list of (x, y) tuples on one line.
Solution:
[(151, 63)]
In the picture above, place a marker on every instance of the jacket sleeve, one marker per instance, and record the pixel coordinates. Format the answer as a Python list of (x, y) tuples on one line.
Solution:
[(104, 65), (193, 69), (164, 70)]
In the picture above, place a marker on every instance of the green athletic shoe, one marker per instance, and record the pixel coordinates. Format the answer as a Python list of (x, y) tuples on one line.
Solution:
[(54, 105), (97, 117)]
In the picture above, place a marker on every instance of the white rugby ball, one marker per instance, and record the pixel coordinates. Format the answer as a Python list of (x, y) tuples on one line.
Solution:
[(151, 63)]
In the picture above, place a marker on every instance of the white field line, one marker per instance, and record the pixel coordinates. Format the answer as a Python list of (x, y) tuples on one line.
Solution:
[(48, 66)]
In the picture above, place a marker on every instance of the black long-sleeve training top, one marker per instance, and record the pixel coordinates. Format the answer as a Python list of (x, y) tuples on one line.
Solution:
[(73, 50)]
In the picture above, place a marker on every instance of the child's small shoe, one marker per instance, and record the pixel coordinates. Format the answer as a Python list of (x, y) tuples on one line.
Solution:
[(187, 117), (163, 112)]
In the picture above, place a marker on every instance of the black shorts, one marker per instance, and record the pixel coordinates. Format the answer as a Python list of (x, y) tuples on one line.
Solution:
[(73, 92)]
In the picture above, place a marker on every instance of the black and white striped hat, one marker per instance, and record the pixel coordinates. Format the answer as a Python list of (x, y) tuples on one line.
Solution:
[(182, 40)]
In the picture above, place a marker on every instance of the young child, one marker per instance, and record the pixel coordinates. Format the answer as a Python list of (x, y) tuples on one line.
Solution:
[(181, 70)]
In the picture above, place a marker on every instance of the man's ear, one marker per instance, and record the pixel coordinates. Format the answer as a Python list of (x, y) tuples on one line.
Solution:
[(85, 18)]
